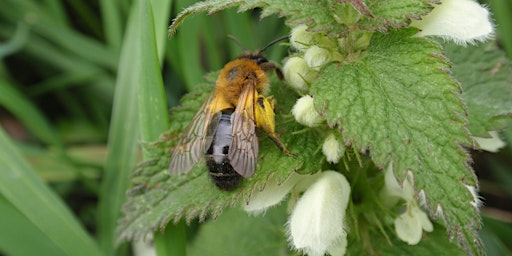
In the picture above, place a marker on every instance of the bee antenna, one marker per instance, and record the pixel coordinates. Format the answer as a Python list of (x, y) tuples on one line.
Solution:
[(237, 42), (273, 42)]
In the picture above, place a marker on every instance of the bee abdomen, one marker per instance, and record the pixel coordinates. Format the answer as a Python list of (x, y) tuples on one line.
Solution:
[(221, 171), (223, 174)]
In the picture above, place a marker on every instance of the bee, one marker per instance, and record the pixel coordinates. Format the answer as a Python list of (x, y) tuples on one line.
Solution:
[(223, 131)]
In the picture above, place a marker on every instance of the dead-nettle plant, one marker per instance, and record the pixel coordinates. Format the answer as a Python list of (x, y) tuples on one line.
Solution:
[(381, 103)]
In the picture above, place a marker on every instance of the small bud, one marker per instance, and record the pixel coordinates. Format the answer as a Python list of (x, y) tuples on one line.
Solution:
[(317, 222), (298, 74), (305, 113), (301, 39), (332, 149), (462, 21), (316, 57)]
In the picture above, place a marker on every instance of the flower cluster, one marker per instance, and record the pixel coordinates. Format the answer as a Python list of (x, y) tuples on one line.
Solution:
[(319, 202), (314, 51)]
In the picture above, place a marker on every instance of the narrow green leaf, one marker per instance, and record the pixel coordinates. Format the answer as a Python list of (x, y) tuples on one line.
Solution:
[(12, 100), (485, 75), (154, 118), (16, 230), (112, 24), (63, 36), (22, 188), (123, 136), (189, 49), (153, 111), (137, 53), (399, 103), (56, 11)]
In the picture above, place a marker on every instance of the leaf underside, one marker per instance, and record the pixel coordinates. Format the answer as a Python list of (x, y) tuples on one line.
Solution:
[(399, 103)]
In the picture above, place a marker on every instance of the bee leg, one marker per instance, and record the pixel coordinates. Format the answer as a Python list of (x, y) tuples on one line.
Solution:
[(281, 145)]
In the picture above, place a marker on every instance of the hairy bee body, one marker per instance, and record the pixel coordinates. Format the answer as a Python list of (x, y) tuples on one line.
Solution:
[(223, 131)]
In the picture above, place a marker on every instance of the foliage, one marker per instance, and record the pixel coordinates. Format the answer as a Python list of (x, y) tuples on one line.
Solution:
[(80, 84)]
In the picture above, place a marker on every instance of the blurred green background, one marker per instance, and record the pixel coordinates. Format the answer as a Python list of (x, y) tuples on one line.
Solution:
[(70, 136)]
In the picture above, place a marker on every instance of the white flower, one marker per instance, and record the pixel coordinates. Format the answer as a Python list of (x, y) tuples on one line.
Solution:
[(492, 144), (272, 194), (463, 21), (409, 225), (316, 225), (332, 149), (298, 74), (305, 113)]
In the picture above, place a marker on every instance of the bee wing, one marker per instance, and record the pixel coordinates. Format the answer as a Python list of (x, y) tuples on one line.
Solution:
[(243, 151), (194, 140)]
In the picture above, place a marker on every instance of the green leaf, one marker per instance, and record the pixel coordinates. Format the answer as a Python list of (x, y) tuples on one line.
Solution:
[(123, 137), (14, 101), (329, 17), (432, 243), (124, 130), (398, 102), (157, 198), (485, 74), (25, 191), (210, 6), (394, 14), (154, 118), (17, 230), (236, 233)]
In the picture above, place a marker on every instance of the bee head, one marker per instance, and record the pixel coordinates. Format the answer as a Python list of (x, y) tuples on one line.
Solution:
[(256, 57)]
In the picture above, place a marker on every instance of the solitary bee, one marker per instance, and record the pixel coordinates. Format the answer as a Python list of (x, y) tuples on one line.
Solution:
[(223, 131)]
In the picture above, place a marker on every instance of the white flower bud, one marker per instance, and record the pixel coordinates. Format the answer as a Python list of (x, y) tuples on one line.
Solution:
[(492, 144), (298, 74), (317, 221), (301, 39), (463, 21), (316, 57), (332, 149), (305, 113)]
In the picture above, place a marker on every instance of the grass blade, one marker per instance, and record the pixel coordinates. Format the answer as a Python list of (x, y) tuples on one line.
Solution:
[(22, 188), (122, 139)]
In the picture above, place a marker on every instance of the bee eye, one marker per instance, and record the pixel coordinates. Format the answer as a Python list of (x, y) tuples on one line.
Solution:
[(260, 60), (260, 102)]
